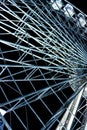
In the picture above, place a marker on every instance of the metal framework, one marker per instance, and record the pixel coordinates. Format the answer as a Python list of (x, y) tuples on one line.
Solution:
[(43, 65)]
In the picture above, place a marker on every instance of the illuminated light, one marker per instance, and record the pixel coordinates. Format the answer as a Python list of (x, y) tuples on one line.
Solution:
[(85, 127), (68, 10), (81, 20), (85, 91), (57, 4), (3, 112), (52, 1)]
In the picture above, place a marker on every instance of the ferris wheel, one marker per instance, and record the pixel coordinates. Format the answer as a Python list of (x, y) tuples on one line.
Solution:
[(43, 65)]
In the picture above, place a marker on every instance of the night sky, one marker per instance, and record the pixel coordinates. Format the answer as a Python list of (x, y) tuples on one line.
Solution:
[(81, 4)]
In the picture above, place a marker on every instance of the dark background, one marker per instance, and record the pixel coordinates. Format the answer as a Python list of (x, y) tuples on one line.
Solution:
[(81, 4)]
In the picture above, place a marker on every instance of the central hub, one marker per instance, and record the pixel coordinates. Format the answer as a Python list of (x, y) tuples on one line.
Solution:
[(79, 79)]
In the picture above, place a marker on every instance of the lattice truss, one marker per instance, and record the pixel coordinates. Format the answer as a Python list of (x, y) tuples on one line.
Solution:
[(43, 60)]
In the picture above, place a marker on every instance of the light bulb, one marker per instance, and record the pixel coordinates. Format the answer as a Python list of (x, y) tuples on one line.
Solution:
[(68, 10), (81, 20), (57, 4)]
